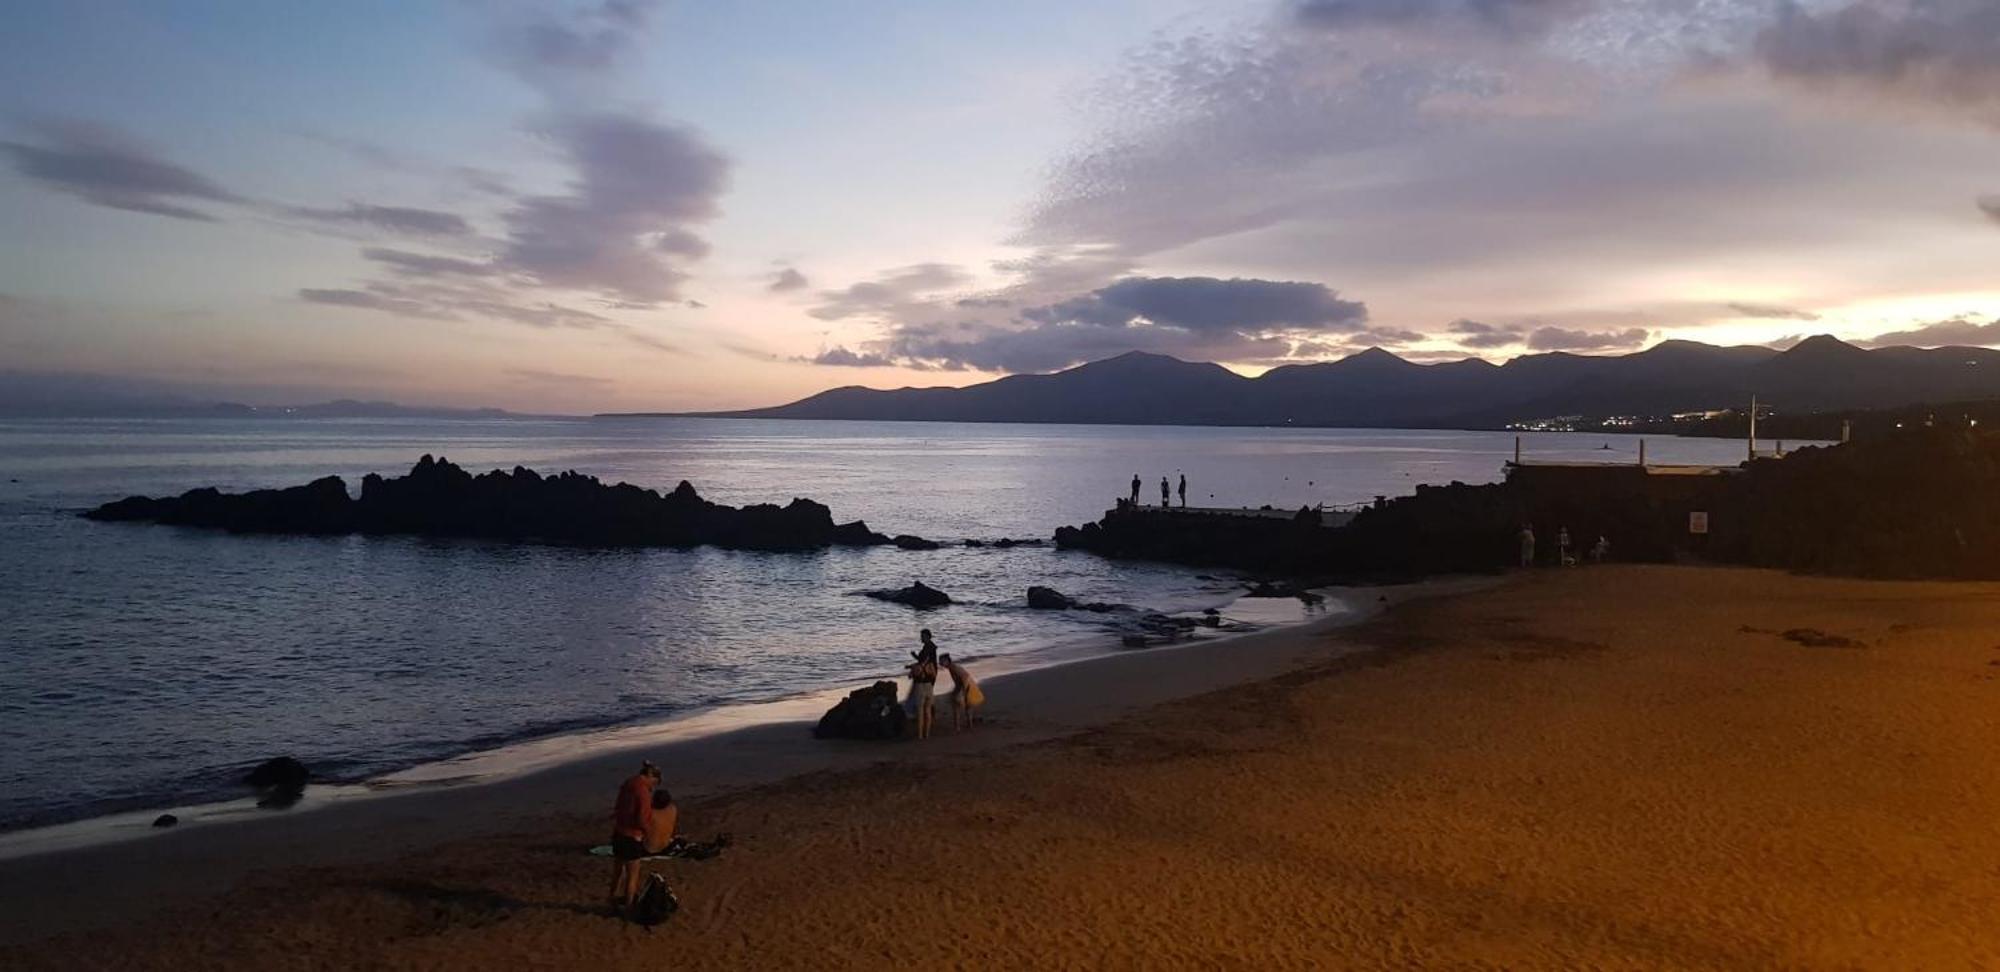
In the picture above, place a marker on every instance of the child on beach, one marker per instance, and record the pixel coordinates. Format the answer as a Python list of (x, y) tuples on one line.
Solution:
[(965, 694), (665, 817)]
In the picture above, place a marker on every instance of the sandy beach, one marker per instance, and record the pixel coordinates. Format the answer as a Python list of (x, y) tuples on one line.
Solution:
[(1623, 767)]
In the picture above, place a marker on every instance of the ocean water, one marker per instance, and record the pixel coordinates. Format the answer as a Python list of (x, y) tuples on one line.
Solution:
[(145, 666)]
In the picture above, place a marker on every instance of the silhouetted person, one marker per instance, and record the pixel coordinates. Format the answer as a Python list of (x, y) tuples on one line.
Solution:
[(1527, 545), (1601, 551), (1184, 491), (1563, 555), (1164, 493), (923, 683), (1135, 489), (629, 818)]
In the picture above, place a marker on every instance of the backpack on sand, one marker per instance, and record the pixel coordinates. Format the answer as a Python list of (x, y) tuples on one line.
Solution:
[(656, 902)]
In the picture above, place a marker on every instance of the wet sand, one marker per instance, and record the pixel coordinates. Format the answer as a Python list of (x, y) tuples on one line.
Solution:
[(1625, 767)]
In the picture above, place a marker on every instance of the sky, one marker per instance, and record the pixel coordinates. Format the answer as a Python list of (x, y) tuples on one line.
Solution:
[(652, 205)]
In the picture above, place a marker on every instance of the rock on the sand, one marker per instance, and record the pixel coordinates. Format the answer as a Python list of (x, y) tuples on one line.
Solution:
[(917, 595), (866, 713), (165, 820)]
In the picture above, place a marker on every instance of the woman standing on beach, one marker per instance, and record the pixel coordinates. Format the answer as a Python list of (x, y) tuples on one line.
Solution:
[(923, 683)]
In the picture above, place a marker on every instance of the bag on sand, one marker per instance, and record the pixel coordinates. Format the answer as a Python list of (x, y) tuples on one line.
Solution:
[(656, 902)]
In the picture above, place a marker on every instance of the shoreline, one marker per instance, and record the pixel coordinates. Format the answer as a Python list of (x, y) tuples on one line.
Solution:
[(532, 754), (76, 887)]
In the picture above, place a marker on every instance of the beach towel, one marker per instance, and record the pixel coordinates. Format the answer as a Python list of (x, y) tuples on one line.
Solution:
[(680, 848)]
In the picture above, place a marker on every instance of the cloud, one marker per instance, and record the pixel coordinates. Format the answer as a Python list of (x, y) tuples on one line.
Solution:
[(1990, 205), (844, 358), (1955, 332), (107, 168), (554, 48), (393, 219), (427, 265), (1386, 336), (1202, 318), (1935, 53), (460, 298), (368, 300), (1482, 336), (1209, 304), (1509, 18), (889, 292), (788, 280), (1563, 339), (639, 185), (1771, 312)]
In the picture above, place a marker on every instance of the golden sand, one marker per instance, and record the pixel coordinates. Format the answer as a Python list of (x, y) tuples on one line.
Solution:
[(1623, 767)]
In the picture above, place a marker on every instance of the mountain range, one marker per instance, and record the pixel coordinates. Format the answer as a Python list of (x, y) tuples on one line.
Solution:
[(1377, 389)]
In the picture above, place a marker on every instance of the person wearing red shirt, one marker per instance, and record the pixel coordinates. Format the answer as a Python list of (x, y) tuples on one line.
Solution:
[(631, 817)]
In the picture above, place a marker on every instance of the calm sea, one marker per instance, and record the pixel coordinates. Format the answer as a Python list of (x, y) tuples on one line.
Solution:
[(146, 666)]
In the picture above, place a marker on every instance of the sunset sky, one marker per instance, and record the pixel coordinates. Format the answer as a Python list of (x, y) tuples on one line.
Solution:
[(639, 205)]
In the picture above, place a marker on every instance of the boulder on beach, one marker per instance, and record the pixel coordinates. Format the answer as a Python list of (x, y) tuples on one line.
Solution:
[(165, 820), (1049, 599), (867, 713), (280, 773), (917, 595)]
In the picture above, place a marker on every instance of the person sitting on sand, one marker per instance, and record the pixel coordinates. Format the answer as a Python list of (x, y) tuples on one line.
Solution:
[(923, 683), (665, 817), (631, 819), (965, 694)]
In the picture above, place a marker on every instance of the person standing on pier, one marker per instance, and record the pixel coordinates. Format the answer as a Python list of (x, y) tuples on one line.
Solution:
[(1184, 491), (1135, 489), (1164, 494)]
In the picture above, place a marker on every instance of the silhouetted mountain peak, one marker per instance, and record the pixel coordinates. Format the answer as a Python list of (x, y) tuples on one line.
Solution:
[(1374, 358), (1823, 345), (1378, 389)]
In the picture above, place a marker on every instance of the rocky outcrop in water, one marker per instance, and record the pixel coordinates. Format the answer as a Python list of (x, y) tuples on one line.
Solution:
[(440, 499), (917, 595), (1049, 599)]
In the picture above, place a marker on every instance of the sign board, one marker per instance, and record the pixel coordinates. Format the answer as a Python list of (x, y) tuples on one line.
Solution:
[(1698, 522)]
